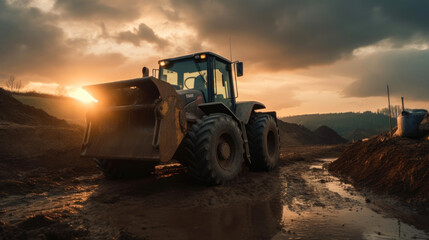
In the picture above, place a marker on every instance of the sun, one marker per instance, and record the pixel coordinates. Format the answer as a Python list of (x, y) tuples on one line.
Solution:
[(81, 95)]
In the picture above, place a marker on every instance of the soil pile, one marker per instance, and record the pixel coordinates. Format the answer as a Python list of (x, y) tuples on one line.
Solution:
[(14, 111), (392, 165), (329, 136), (292, 134)]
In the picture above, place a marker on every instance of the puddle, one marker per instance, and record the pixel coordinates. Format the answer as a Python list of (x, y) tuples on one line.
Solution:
[(326, 160), (316, 167), (343, 189), (344, 224), (358, 221), (248, 220)]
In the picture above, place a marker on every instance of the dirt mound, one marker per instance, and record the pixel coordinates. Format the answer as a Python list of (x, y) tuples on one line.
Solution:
[(329, 136), (392, 165), (14, 111), (292, 134), (360, 133)]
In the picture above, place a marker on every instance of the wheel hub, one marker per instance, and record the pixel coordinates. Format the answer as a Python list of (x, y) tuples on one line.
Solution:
[(224, 150)]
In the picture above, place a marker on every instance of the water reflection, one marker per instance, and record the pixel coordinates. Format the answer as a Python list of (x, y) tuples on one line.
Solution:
[(237, 221), (344, 215)]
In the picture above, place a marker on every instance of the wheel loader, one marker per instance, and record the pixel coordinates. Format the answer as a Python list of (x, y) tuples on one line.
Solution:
[(188, 113)]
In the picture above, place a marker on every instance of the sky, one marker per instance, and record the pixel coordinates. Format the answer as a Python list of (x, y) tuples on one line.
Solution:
[(300, 57)]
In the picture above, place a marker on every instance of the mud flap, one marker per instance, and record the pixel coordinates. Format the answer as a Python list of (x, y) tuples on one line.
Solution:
[(140, 119)]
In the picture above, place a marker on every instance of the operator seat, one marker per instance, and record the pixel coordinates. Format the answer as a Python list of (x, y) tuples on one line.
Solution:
[(200, 84)]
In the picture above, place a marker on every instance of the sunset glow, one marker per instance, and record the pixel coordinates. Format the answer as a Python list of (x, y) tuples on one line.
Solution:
[(307, 53), (81, 95)]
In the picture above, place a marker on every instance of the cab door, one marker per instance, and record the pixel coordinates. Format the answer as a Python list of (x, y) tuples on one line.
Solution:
[(222, 84)]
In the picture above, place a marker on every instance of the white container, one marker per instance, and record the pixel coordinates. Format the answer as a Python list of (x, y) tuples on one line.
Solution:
[(409, 122)]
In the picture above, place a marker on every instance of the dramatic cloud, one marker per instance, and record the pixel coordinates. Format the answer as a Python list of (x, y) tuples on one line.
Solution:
[(405, 71), (294, 34), (30, 44), (27, 42), (142, 33), (334, 48), (99, 10)]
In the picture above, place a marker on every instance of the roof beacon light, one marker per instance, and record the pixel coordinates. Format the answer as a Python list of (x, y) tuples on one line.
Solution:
[(162, 63), (203, 56)]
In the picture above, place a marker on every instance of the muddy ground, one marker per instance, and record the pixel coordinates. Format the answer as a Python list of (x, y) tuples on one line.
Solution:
[(388, 165), (299, 200)]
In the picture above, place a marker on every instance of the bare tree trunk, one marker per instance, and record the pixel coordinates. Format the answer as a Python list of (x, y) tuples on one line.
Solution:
[(18, 86), (10, 83)]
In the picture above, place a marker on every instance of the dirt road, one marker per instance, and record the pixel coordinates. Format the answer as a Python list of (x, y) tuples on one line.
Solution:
[(299, 200)]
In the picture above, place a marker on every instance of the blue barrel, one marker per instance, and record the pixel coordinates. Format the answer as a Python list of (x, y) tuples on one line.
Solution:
[(409, 122)]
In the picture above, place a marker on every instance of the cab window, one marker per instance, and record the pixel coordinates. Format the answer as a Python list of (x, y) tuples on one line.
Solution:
[(222, 86), (186, 74)]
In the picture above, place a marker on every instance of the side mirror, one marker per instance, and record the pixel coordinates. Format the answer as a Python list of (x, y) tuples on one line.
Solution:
[(239, 69), (145, 72)]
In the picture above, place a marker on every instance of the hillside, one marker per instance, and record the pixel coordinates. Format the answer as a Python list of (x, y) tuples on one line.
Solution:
[(14, 111), (351, 126), (296, 135), (69, 109), (329, 136), (27, 132)]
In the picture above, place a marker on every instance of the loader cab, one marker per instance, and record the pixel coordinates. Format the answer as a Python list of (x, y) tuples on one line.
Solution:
[(207, 72)]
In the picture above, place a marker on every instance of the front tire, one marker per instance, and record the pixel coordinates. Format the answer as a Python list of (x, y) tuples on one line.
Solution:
[(215, 152), (263, 136)]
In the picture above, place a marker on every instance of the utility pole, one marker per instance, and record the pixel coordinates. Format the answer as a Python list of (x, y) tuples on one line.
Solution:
[(388, 102), (230, 49)]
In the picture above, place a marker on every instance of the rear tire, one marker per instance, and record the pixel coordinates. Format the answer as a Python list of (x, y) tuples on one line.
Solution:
[(215, 150), (124, 169), (263, 136)]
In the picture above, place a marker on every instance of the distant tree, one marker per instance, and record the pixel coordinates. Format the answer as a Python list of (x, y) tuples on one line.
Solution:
[(18, 86), (10, 83), (13, 85), (395, 111)]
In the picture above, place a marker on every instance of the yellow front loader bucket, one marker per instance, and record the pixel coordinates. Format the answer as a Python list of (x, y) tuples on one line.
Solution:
[(141, 119)]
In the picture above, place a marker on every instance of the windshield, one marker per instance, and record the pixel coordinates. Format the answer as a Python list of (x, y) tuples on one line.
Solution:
[(185, 74)]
